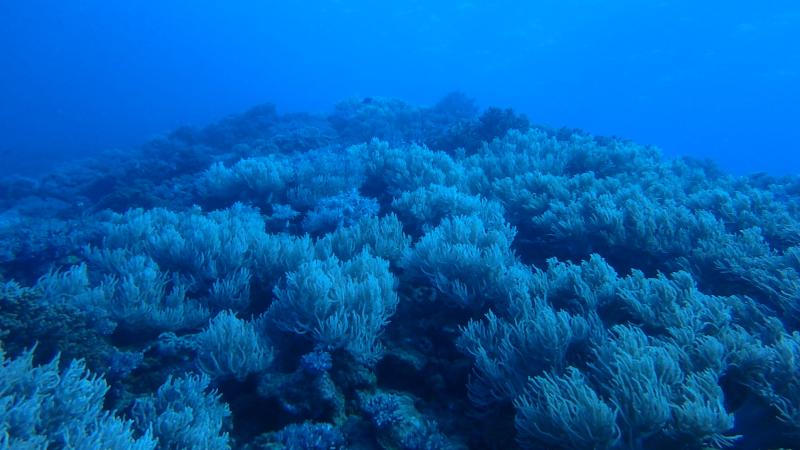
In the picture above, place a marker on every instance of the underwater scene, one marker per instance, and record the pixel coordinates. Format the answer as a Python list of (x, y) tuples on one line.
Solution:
[(401, 272)]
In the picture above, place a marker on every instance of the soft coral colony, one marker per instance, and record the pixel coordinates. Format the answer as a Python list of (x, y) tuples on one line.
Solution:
[(398, 277)]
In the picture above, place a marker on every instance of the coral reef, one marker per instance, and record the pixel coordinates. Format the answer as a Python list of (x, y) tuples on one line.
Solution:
[(398, 277)]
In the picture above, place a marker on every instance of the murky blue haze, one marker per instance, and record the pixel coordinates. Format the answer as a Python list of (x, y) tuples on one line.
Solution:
[(716, 79), (416, 225)]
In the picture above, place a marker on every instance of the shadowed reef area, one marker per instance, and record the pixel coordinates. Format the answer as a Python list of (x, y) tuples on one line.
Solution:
[(389, 276)]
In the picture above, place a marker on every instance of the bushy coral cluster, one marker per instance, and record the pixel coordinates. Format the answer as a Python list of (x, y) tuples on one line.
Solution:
[(398, 277)]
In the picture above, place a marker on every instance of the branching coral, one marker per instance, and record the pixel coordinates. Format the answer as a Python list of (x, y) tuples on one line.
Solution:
[(347, 275)]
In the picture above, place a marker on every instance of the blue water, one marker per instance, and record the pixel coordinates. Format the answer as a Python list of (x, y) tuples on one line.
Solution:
[(399, 225), (716, 80)]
